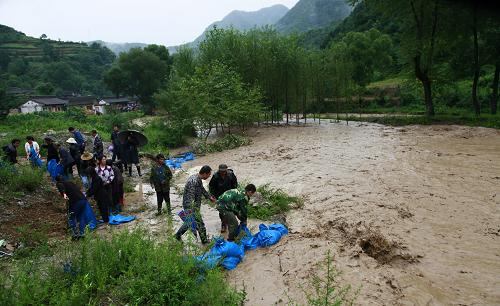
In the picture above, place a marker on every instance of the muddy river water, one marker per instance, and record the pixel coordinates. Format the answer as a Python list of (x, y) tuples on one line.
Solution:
[(410, 216)]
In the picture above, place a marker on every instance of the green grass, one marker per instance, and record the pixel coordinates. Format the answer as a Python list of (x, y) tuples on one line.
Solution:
[(20, 179), (130, 268), (386, 83), (275, 201)]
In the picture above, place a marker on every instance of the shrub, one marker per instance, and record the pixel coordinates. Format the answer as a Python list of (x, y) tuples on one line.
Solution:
[(227, 142), (21, 179), (130, 268), (275, 201)]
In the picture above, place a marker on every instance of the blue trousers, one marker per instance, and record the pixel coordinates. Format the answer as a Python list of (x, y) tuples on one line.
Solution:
[(77, 215)]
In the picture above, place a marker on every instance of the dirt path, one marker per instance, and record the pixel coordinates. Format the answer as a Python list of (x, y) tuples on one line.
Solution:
[(409, 214)]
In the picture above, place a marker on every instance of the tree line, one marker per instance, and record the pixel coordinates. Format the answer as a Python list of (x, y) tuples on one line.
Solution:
[(259, 75)]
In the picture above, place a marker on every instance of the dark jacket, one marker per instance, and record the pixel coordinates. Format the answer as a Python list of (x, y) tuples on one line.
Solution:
[(51, 152), (160, 178), (131, 152), (66, 158), (114, 139), (74, 150), (10, 153), (98, 145), (218, 184), (98, 191), (71, 190)]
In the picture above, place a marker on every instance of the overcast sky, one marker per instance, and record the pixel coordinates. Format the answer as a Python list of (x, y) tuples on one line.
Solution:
[(169, 22)]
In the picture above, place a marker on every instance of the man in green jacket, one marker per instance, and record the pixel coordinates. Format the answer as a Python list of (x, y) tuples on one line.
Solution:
[(233, 204), (160, 180)]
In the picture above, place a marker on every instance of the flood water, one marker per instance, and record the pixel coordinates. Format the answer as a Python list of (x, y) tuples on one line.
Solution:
[(409, 214)]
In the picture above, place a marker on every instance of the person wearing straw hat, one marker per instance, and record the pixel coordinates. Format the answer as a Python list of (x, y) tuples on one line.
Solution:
[(87, 161), (74, 150)]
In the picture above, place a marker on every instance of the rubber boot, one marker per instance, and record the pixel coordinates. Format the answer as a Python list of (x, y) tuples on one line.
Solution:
[(139, 170)]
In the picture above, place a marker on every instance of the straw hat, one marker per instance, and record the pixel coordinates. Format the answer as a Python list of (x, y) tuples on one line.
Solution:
[(87, 156), (71, 140)]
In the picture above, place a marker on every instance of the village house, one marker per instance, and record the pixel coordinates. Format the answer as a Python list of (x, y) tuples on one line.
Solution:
[(89, 103), (43, 103), (120, 103)]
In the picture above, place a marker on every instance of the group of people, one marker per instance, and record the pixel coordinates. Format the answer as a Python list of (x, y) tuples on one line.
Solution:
[(103, 180), (101, 177), (229, 201)]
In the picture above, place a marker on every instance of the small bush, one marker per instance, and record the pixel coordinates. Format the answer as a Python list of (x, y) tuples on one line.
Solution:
[(326, 291), (275, 201), (227, 142), (21, 179), (130, 268)]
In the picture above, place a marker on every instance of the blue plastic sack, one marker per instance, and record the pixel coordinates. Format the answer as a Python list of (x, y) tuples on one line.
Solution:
[(89, 216), (54, 169), (267, 237), (189, 156), (249, 242), (119, 219), (227, 249), (279, 227), (35, 158), (210, 261), (187, 216), (230, 263)]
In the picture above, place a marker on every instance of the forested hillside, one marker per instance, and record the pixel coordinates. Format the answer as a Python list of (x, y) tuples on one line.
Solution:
[(49, 66), (313, 14)]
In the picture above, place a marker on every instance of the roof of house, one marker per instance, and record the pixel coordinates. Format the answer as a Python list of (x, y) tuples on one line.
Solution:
[(49, 101), (79, 101), (114, 100)]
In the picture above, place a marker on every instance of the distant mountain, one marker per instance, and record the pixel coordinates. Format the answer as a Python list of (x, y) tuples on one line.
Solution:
[(308, 15), (241, 20), (117, 48)]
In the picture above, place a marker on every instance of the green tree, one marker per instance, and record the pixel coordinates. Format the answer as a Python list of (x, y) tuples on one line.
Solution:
[(215, 94), (419, 38), (143, 72), (44, 88), (116, 80)]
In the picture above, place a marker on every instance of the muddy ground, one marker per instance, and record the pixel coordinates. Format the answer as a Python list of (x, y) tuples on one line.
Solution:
[(410, 215)]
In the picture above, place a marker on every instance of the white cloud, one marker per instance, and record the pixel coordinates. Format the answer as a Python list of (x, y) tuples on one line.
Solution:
[(169, 22)]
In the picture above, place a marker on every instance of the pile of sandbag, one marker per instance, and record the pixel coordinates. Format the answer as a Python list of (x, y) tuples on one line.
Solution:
[(229, 254), (176, 162)]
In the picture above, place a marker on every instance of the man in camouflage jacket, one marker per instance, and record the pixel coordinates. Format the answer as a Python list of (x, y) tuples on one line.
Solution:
[(233, 204)]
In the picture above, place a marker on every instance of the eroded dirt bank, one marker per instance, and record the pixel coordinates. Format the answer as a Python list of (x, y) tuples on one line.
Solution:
[(409, 214)]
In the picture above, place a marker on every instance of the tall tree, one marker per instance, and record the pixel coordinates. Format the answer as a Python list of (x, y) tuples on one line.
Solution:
[(420, 19)]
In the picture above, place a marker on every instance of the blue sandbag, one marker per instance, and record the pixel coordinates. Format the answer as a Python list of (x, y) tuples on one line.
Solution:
[(176, 162), (227, 249), (230, 263), (210, 261), (279, 227), (189, 156), (35, 159), (267, 237), (249, 242), (119, 219), (90, 218)]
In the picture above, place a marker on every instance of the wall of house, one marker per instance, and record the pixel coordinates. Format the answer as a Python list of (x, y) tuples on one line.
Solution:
[(30, 107)]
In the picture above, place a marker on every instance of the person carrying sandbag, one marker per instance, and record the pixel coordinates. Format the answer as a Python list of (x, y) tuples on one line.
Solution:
[(233, 204)]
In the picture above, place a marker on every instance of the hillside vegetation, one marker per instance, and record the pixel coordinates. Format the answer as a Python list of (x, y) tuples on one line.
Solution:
[(49, 66)]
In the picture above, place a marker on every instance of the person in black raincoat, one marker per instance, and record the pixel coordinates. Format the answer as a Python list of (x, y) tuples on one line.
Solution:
[(100, 194), (10, 151), (52, 152), (74, 150), (132, 155), (67, 160), (222, 181), (117, 190)]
